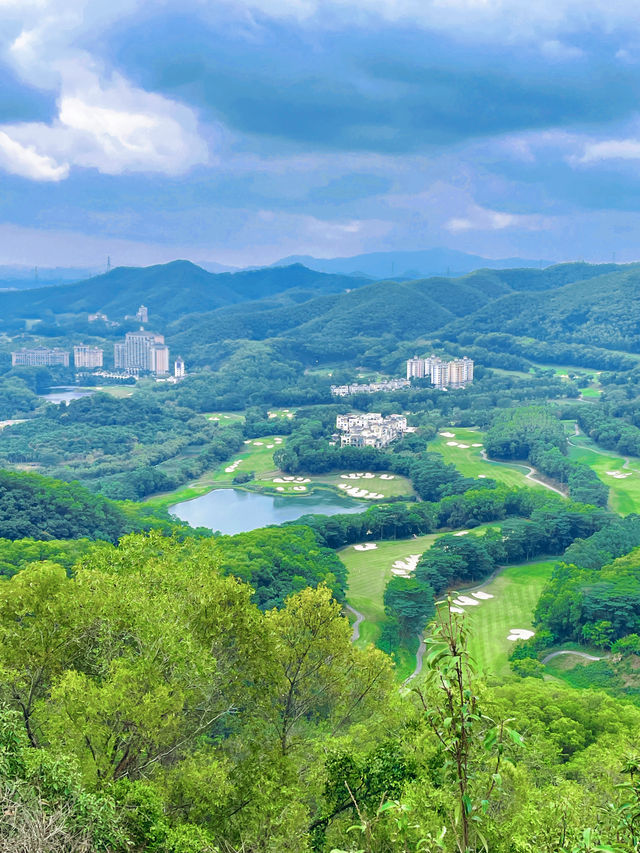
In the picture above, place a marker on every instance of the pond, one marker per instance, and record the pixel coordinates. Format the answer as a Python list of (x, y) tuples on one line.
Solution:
[(235, 511), (65, 393)]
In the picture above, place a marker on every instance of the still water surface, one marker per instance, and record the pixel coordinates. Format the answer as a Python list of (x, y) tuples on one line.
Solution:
[(235, 511), (64, 394)]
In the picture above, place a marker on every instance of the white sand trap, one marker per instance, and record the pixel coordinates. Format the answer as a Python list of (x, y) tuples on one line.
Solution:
[(369, 476), (279, 488), (452, 443), (456, 610), (448, 434), (278, 480), (278, 440), (378, 496), (400, 573), (465, 601), (482, 476), (288, 479), (387, 476), (483, 596), (270, 446), (343, 486), (229, 470), (214, 419), (461, 533), (476, 445), (462, 446), (299, 488), (289, 415), (366, 546), (248, 441), (258, 443), (520, 634)]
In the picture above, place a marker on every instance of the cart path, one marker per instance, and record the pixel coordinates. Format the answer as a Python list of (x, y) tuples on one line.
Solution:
[(355, 634), (571, 652)]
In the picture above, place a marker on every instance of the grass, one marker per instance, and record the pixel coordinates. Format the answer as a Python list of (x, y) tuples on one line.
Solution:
[(369, 572), (469, 460), (516, 592), (119, 391), (624, 495)]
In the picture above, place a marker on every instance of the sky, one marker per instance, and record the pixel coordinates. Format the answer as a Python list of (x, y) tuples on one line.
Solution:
[(242, 131)]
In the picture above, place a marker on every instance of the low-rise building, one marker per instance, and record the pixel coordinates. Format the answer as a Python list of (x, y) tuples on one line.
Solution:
[(369, 387), (370, 429), (39, 357)]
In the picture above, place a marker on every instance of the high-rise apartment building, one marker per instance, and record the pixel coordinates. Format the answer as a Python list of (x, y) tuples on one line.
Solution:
[(142, 315), (142, 351), (39, 357), (86, 356), (178, 368), (443, 374)]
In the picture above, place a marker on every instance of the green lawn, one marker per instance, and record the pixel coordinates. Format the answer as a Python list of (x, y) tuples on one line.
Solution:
[(469, 460), (516, 592), (369, 572), (624, 495)]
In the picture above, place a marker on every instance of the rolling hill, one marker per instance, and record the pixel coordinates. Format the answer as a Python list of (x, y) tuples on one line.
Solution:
[(168, 290)]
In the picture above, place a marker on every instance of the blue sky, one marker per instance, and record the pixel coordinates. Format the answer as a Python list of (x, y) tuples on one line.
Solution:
[(246, 130)]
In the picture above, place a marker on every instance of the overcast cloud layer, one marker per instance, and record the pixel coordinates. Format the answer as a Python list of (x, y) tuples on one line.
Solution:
[(246, 130)]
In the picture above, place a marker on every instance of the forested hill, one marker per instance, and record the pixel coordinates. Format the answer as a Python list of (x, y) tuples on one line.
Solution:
[(600, 309), (405, 310), (168, 290)]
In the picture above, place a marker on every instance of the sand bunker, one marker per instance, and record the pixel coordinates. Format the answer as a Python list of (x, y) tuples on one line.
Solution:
[(465, 601), (366, 546), (619, 475), (452, 443), (482, 476), (258, 443), (476, 445), (270, 446), (448, 434), (462, 446), (456, 610), (520, 634), (248, 441), (483, 596), (387, 476), (406, 567), (231, 468), (279, 488), (461, 533), (299, 488)]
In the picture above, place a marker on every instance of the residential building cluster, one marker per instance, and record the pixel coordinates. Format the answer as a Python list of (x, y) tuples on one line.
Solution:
[(88, 356), (142, 352), (370, 429), (369, 387), (443, 374), (39, 357)]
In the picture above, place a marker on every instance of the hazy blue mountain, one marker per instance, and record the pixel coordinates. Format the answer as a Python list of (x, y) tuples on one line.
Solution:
[(24, 278), (409, 265)]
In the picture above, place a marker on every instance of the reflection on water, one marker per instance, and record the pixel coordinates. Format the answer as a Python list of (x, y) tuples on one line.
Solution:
[(235, 511)]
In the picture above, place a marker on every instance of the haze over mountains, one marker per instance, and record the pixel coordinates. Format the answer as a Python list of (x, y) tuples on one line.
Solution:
[(327, 313), (375, 265)]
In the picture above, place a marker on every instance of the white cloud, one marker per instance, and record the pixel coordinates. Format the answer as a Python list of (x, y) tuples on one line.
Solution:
[(25, 161), (103, 122), (482, 219), (609, 149)]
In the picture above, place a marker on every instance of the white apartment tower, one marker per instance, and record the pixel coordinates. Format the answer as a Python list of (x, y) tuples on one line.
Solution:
[(142, 351), (178, 368), (88, 357), (443, 374)]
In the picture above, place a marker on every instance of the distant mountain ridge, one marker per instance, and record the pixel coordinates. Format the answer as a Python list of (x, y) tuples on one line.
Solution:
[(168, 290), (409, 265)]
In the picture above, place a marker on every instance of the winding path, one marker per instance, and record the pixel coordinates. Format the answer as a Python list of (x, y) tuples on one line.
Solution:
[(355, 634), (529, 476), (571, 652), (419, 656)]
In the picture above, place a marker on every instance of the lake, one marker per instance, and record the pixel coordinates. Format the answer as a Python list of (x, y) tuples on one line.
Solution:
[(235, 511), (65, 393)]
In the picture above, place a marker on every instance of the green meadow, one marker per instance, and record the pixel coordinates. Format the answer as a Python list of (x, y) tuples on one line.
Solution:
[(516, 591), (624, 495), (468, 460)]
